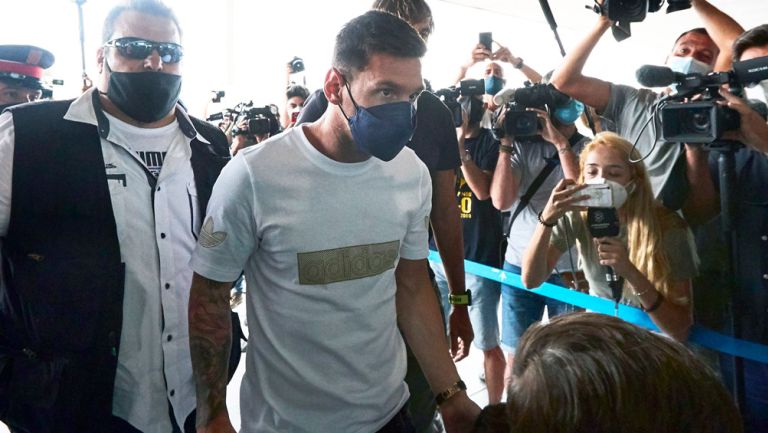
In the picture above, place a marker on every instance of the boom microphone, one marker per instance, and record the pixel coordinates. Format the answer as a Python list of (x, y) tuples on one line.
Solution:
[(657, 76)]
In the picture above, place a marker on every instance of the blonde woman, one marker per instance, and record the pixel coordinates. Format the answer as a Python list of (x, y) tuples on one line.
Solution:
[(653, 252)]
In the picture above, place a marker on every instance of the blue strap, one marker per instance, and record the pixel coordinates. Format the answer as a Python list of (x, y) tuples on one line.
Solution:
[(699, 334)]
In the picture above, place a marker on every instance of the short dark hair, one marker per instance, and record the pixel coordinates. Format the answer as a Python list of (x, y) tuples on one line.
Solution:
[(374, 32), (593, 372), (412, 11), (150, 7), (699, 30), (296, 90), (756, 37)]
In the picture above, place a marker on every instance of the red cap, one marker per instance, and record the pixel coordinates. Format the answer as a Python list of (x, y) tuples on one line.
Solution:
[(33, 71)]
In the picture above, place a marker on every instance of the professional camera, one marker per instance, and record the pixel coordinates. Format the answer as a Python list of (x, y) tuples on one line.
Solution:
[(623, 12), (518, 122), (450, 96), (704, 120), (261, 120), (297, 65)]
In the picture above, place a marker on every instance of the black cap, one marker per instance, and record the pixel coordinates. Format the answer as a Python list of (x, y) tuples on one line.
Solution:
[(24, 64)]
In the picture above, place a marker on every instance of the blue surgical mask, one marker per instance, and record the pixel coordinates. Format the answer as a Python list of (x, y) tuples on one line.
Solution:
[(493, 84), (569, 113), (688, 65), (383, 130)]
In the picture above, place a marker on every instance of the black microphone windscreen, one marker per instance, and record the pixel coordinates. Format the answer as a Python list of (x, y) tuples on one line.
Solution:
[(655, 76), (603, 222)]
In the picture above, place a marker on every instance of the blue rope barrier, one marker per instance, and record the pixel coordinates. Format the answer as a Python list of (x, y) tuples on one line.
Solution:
[(699, 334)]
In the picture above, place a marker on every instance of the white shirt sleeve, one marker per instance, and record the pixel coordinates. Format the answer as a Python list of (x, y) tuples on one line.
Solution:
[(7, 138), (228, 236), (416, 242)]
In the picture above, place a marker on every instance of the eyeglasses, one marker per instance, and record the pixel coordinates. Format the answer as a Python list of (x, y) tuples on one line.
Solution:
[(139, 49)]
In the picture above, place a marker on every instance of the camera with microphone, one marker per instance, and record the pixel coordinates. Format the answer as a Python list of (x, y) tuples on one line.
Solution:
[(624, 12), (450, 96), (703, 120), (261, 120), (518, 122)]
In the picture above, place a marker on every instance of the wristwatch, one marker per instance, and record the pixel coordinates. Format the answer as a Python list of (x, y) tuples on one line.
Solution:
[(466, 157), (460, 299)]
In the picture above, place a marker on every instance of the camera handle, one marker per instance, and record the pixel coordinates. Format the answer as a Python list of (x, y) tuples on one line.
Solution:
[(726, 165)]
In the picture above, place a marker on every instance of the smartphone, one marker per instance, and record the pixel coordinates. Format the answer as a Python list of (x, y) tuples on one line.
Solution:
[(486, 38), (600, 195)]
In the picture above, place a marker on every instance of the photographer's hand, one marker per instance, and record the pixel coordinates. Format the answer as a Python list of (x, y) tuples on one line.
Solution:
[(240, 141), (753, 131), (549, 132), (479, 53), (504, 55)]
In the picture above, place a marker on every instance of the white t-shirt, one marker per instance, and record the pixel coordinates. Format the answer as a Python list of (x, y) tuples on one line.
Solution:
[(149, 144), (319, 241)]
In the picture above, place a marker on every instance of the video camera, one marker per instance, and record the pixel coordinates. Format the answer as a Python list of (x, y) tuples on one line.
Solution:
[(705, 120), (296, 64), (518, 122), (450, 96), (261, 120), (624, 12)]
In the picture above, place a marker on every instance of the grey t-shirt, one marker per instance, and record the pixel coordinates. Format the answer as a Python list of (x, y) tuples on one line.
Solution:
[(527, 162), (630, 109), (676, 239)]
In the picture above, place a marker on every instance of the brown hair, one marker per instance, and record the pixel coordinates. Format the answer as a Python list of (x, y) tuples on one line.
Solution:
[(588, 372), (755, 37)]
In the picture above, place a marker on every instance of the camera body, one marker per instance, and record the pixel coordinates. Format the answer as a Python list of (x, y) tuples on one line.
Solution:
[(629, 10), (518, 122), (450, 96), (261, 120), (297, 65), (699, 122), (705, 121)]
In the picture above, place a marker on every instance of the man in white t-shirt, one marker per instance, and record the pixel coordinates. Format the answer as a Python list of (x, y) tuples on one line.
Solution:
[(335, 243)]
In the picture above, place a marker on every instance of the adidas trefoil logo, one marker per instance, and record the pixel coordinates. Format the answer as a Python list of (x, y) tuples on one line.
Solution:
[(210, 238)]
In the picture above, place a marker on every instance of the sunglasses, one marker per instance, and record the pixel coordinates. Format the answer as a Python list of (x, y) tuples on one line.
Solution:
[(140, 49)]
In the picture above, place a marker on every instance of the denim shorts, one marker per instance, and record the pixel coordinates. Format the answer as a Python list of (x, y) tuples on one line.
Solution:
[(522, 308), (484, 311)]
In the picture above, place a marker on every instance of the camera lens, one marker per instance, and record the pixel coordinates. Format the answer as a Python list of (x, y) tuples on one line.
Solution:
[(701, 121), (525, 123)]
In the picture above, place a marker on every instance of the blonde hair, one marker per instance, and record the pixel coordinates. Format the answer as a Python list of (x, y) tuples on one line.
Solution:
[(645, 218)]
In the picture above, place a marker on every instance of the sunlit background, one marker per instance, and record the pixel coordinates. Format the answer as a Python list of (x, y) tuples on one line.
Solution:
[(242, 46)]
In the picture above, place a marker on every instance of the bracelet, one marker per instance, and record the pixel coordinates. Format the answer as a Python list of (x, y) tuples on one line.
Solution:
[(641, 293), (520, 64), (544, 223), (450, 392), (564, 149), (505, 148), (656, 304)]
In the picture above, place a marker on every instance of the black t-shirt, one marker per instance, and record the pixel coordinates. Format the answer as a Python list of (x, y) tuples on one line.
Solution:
[(481, 222), (434, 140)]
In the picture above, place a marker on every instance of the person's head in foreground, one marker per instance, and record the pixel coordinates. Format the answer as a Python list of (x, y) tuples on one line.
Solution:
[(588, 372)]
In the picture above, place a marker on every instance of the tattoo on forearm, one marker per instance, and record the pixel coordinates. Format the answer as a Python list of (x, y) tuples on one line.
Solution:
[(210, 335)]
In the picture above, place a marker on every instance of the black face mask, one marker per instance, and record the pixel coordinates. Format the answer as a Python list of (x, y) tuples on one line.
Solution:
[(144, 96)]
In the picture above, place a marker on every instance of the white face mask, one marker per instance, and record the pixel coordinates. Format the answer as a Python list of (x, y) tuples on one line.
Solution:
[(688, 65), (618, 192)]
